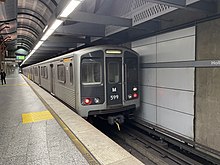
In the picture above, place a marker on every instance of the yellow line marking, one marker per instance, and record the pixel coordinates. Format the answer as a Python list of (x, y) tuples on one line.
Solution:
[(24, 84), (85, 152), (36, 116)]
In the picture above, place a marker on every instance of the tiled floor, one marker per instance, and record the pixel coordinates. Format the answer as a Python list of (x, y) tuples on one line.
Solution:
[(38, 143)]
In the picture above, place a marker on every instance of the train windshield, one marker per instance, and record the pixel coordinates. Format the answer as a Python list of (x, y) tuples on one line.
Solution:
[(91, 73), (131, 62), (113, 75)]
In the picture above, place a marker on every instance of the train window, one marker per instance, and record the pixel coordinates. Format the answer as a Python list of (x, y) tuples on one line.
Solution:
[(71, 73), (131, 62), (61, 74), (35, 71), (132, 71), (91, 73), (44, 72), (113, 72)]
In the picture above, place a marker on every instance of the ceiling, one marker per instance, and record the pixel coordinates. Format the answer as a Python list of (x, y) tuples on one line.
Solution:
[(22, 22)]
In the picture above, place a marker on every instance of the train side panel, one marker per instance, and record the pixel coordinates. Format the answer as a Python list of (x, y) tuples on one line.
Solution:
[(65, 81)]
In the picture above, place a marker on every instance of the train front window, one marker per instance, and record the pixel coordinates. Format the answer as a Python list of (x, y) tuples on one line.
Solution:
[(91, 73), (132, 71), (113, 72), (131, 62)]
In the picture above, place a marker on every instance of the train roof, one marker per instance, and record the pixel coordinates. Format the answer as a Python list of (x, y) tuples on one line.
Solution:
[(83, 51)]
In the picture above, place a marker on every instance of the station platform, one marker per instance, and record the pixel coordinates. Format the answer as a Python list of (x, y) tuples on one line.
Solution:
[(36, 128)]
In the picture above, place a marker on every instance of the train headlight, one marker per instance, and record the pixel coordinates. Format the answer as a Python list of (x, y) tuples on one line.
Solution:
[(87, 101), (135, 89), (130, 96), (96, 100)]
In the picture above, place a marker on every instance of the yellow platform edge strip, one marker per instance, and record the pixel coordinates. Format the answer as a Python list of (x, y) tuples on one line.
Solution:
[(36, 116), (85, 152), (10, 85)]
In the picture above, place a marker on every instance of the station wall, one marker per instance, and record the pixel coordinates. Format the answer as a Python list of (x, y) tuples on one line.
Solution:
[(207, 116), (167, 98)]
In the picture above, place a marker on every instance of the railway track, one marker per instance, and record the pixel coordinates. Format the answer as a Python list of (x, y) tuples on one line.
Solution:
[(150, 149)]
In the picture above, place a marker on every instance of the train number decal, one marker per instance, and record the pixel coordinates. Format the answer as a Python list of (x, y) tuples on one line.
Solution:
[(114, 97)]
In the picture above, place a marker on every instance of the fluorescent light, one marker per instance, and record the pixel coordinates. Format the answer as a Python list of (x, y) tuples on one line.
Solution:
[(55, 25), (45, 28), (50, 31), (30, 54), (69, 8), (38, 45), (46, 35)]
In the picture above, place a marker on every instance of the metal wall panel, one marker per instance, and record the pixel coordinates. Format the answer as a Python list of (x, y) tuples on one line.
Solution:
[(148, 94), (177, 100), (176, 34), (172, 107), (176, 78), (148, 76), (148, 113), (181, 49), (142, 42), (147, 53), (176, 122)]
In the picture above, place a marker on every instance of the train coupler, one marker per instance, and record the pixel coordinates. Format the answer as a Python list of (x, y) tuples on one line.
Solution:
[(115, 119)]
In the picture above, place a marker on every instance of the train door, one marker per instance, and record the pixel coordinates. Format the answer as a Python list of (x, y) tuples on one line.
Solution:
[(114, 80), (51, 79), (39, 74), (34, 74)]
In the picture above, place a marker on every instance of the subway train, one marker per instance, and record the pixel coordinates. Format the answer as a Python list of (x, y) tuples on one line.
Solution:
[(100, 81)]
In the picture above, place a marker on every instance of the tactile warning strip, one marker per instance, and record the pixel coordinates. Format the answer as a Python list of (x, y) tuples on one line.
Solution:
[(85, 152), (36, 116)]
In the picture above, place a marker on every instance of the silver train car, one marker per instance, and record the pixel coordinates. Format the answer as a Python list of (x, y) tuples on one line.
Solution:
[(95, 81)]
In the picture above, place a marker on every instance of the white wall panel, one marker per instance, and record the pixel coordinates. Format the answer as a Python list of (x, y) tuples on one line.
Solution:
[(147, 53), (168, 93), (182, 101), (182, 49), (148, 76), (178, 78), (142, 42), (148, 94), (178, 122), (147, 113), (176, 34)]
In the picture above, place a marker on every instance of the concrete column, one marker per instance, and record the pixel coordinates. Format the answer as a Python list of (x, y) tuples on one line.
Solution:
[(207, 100)]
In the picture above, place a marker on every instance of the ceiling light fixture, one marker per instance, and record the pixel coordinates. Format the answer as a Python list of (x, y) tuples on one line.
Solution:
[(38, 45), (68, 9), (50, 31), (45, 28)]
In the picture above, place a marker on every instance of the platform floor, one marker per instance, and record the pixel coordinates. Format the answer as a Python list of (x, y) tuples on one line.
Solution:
[(36, 143), (72, 141)]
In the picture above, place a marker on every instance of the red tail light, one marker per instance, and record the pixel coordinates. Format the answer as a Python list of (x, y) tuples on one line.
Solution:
[(135, 95), (87, 101)]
